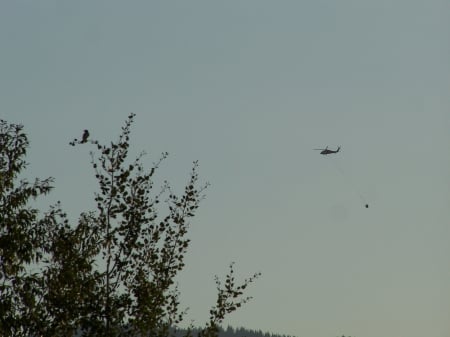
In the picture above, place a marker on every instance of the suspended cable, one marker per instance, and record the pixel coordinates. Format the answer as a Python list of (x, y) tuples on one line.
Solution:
[(349, 182)]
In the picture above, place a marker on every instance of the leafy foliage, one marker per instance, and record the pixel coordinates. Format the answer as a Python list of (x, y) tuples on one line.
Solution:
[(229, 298), (21, 234), (111, 274)]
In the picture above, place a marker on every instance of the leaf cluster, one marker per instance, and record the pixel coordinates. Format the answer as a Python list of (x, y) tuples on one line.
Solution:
[(229, 299)]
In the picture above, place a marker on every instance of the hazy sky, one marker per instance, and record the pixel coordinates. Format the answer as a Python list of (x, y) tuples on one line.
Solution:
[(249, 88)]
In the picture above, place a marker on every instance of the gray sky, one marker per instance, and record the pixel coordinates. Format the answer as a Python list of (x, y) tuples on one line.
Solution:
[(249, 88)]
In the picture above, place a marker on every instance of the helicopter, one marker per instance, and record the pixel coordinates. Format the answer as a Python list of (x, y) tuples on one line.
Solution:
[(325, 151)]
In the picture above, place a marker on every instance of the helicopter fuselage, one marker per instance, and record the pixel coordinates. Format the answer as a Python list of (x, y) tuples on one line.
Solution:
[(325, 152)]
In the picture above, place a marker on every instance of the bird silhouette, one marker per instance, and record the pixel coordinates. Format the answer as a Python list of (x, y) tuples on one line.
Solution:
[(85, 136)]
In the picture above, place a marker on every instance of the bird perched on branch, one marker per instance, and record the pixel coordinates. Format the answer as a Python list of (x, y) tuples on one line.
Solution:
[(85, 137)]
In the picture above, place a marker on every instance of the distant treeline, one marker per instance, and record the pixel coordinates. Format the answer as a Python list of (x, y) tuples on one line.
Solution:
[(232, 332), (228, 332)]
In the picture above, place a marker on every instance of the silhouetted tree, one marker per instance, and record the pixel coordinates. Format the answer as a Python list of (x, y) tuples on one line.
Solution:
[(229, 298), (111, 274), (23, 237)]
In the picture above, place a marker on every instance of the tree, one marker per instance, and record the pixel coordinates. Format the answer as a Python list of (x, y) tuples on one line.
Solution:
[(22, 235), (113, 273)]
